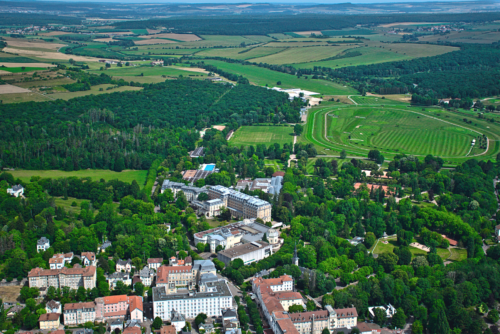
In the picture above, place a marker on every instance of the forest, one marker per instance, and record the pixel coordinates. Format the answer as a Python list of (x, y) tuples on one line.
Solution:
[(268, 24), (129, 129)]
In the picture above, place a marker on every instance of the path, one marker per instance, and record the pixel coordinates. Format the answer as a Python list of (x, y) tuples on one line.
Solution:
[(315, 301), (349, 97)]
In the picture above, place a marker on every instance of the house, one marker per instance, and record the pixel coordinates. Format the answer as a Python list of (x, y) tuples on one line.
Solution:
[(177, 320), (12, 311), (103, 247), (132, 330), (88, 259), (146, 275), (451, 241), (53, 307), (49, 321), (116, 324), (389, 309), (58, 261), (356, 241), (208, 328), (81, 331), (155, 263), (230, 319), (71, 277), (124, 266), (132, 323), (119, 277), (16, 190), (42, 244), (157, 62), (198, 152), (168, 330)]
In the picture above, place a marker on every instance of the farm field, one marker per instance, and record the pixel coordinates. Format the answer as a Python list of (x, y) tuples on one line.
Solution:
[(95, 174), (374, 100), (237, 53), (253, 135), (10, 293), (145, 71), (261, 76), (94, 90), (300, 55), (23, 97)]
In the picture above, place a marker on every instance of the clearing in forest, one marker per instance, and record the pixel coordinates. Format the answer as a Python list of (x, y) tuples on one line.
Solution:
[(253, 135)]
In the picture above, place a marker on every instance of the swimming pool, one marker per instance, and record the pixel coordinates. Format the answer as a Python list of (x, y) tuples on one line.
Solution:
[(209, 167)]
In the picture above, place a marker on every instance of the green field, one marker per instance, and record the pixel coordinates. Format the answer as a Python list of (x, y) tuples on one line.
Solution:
[(95, 174), (261, 76), (146, 71), (139, 31), (393, 130), (302, 54), (238, 53), (22, 69), (253, 135), (94, 90), (457, 254), (347, 32), (373, 100)]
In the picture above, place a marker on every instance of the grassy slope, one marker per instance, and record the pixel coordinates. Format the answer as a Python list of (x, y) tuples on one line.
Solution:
[(262, 76)]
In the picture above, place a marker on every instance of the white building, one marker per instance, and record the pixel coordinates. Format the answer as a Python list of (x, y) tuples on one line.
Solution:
[(119, 277), (16, 190), (53, 307), (251, 252), (155, 263), (124, 266), (146, 275), (79, 313), (88, 259), (42, 244), (177, 320), (190, 304), (389, 310), (58, 261)]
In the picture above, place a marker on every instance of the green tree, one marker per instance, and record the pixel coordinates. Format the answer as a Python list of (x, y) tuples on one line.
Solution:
[(399, 319), (370, 239), (387, 261), (438, 322), (181, 202), (139, 289), (157, 323), (343, 154), (311, 306), (200, 319), (307, 256), (493, 316), (380, 316), (325, 331), (297, 129), (417, 327), (203, 197), (296, 308)]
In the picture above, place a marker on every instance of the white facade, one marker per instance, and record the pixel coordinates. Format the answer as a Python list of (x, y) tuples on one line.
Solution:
[(79, 313), (146, 275), (42, 244), (16, 190), (249, 253), (212, 302)]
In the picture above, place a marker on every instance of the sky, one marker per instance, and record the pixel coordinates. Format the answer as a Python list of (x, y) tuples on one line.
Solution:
[(264, 1)]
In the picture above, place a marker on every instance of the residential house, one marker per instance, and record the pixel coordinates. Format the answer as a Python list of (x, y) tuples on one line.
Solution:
[(88, 259), (102, 248), (389, 309), (58, 261), (16, 190), (49, 321), (53, 307), (208, 328), (79, 313), (42, 244), (155, 263), (119, 277), (230, 319), (146, 275), (116, 324), (132, 330), (497, 233), (168, 330), (177, 320), (124, 266)]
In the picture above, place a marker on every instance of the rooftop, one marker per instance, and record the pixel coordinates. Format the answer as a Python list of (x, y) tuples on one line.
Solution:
[(49, 317), (88, 271), (243, 249), (78, 306), (222, 290)]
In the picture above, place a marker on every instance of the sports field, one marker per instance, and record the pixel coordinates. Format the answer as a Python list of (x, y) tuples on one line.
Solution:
[(95, 174), (253, 135)]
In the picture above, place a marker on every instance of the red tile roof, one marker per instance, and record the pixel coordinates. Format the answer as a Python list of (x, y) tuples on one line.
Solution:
[(78, 306), (135, 303), (155, 260), (49, 317), (451, 241), (132, 330), (287, 326), (164, 271), (168, 330), (115, 299), (88, 271)]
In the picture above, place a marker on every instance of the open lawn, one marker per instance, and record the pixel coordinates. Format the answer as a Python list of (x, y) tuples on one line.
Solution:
[(66, 204), (23, 97), (94, 90), (375, 100), (252, 135), (392, 243), (10, 293), (261, 76), (22, 69), (388, 129), (95, 174), (458, 254)]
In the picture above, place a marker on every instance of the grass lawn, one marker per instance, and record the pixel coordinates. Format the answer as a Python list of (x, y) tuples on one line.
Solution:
[(95, 174), (22, 70), (252, 135), (261, 76), (66, 204), (312, 161), (22, 97), (10, 293), (458, 254), (94, 90)]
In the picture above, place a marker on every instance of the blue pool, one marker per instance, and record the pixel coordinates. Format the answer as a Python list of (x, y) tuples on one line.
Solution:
[(209, 167)]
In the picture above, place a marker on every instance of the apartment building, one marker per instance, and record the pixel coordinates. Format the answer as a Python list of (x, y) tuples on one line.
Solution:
[(71, 277), (275, 297), (49, 321), (119, 307), (79, 313), (174, 277), (190, 304), (240, 204)]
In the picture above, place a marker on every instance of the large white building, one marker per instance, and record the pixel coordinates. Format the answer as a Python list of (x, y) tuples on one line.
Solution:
[(190, 304), (251, 252), (79, 313)]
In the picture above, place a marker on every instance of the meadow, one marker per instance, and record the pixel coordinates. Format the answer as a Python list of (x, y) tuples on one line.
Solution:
[(94, 90), (261, 76), (302, 54), (253, 135), (95, 174)]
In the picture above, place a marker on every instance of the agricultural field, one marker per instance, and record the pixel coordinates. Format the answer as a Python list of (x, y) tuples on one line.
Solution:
[(300, 55), (375, 100), (94, 90), (95, 174), (253, 135), (241, 53), (261, 76), (140, 71)]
